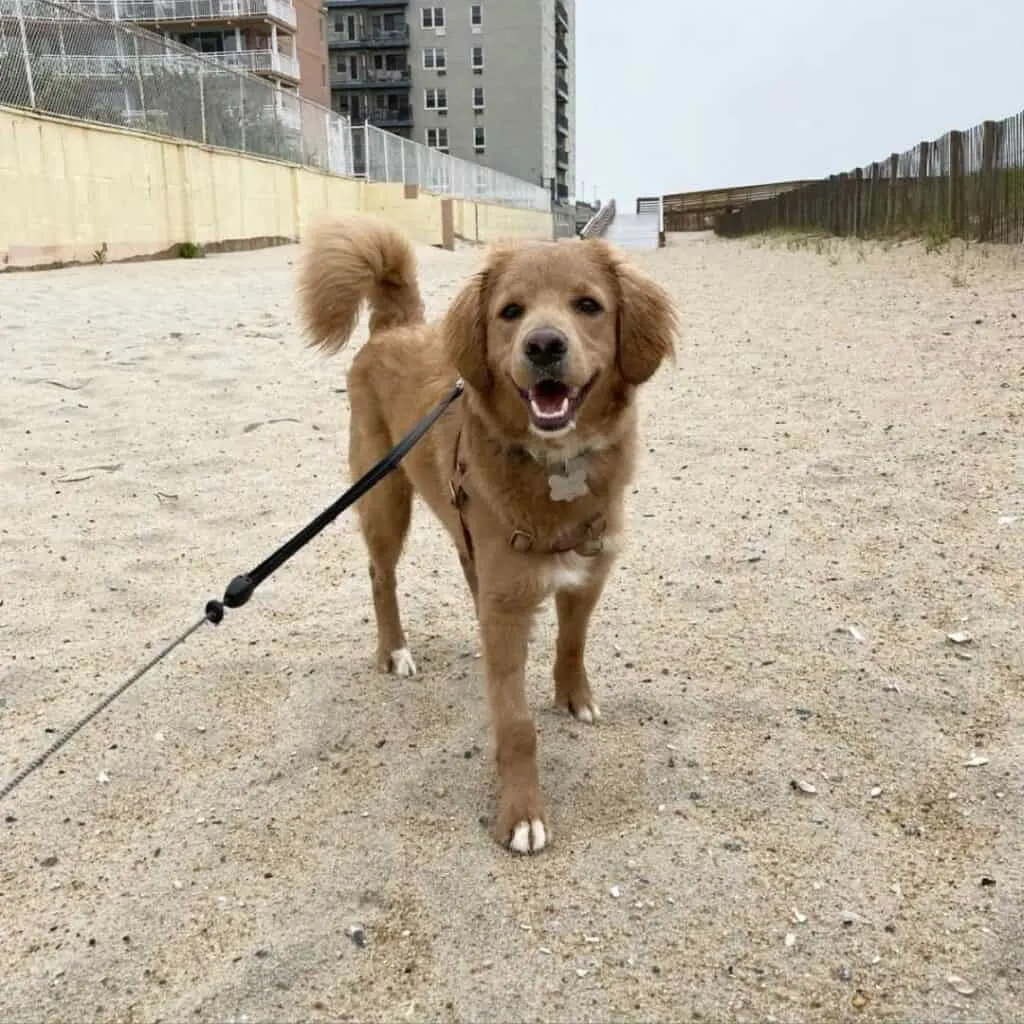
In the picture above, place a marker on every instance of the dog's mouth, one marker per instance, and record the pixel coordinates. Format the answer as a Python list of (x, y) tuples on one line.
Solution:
[(553, 404)]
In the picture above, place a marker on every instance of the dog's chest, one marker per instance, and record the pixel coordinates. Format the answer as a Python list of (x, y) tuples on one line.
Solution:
[(568, 571)]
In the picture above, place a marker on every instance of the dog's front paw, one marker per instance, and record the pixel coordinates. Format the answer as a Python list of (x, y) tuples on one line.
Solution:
[(399, 663), (521, 826), (578, 701)]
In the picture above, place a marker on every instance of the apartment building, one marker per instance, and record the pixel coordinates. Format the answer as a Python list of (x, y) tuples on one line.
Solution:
[(284, 41), (368, 54), (491, 82)]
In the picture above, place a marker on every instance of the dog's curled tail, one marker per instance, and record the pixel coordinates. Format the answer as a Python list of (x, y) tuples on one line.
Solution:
[(345, 260)]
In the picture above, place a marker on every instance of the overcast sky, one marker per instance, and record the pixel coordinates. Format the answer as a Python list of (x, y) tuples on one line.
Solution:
[(673, 95)]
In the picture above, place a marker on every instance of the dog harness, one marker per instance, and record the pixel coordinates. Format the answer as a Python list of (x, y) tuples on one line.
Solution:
[(586, 538)]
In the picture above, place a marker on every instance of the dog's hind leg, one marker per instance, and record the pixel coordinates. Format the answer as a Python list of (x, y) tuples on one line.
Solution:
[(384, 516)]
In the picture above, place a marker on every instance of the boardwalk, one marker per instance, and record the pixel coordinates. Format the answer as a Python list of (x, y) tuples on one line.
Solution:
[(634, 230), (803, 802)]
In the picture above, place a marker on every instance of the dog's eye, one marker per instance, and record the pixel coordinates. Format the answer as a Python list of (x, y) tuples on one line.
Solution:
[(588, 306), (513, 311)]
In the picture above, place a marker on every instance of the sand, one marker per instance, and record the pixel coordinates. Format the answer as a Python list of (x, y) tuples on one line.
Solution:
[(266, 829)]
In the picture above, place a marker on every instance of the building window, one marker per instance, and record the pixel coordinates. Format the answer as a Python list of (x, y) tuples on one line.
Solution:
[(479, 138), (437, 138), (435, 58), (478, 97), (477, 58), (476, 16), (432, 17), (435, 99)]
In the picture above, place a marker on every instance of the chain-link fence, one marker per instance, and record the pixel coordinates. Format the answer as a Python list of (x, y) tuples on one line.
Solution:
[(387, 157), (63, 59), (59, 59)]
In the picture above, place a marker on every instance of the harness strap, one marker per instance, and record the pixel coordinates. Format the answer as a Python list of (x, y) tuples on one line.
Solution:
[(586, 538)]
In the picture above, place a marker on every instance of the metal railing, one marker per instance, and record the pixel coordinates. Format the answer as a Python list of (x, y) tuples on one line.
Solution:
[(388, 115), (262, 62), (59, 60), (381, 156), (598, 224), (373, 76), (383, 37), (163, 11)]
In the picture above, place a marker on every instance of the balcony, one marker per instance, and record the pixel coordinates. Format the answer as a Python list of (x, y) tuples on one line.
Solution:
[(191, 12), (261, 62), (400, 118), (562, 84), (561, 50), (347, 5), (368, 40), (561, 14), (562, 158), (372, 79), (562, 122)]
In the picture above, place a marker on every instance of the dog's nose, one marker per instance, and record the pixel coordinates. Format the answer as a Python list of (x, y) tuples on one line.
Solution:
[(545, 347)]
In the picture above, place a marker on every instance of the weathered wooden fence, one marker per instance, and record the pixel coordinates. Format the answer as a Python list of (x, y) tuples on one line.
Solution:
[(965, 185)]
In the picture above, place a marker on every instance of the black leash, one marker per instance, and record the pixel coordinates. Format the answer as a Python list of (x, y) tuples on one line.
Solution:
[(241, 588)]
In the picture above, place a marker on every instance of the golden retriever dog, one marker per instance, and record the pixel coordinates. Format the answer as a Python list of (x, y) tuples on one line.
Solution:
[(527, 471)]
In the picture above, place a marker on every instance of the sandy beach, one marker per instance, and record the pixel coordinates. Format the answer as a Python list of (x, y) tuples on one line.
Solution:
[(805, 802)]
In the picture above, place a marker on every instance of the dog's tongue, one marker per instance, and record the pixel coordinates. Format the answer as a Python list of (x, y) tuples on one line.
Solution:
[(550, 398)]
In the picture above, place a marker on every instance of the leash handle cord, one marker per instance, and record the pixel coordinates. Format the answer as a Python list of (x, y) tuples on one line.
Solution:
[(241, 588)]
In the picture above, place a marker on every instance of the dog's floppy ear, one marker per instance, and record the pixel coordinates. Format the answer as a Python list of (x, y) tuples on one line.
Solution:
[(647, 324), (464, 328)]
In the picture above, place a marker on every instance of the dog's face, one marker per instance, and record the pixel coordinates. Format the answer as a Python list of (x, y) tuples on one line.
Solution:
[(552, 335)]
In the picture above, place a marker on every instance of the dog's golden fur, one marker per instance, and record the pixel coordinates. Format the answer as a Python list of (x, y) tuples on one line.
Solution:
[(488, 469)]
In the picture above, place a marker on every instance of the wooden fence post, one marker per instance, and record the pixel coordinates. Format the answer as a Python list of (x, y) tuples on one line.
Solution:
[(956, 184), (987, 185), (890, 212), (858, 185), (923, 211), (874, 198)]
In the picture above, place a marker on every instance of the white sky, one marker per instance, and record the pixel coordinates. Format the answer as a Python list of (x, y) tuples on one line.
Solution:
[(673, 95)]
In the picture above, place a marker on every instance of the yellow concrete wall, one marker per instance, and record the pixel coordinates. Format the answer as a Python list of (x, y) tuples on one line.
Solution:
[(68, 187), (419, 218), (488, 222)]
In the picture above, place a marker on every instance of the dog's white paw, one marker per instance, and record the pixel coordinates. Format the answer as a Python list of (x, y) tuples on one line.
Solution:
[(528, 837), (402, 663), (589, 713)]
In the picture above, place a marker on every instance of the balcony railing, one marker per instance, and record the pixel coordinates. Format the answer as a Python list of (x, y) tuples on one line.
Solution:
[(389, 118), (562, 157), (343, 5), (562, 84), (166, 11), (561, 13), (372, 78), (262, 62), (259, 61), (394, 37)]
